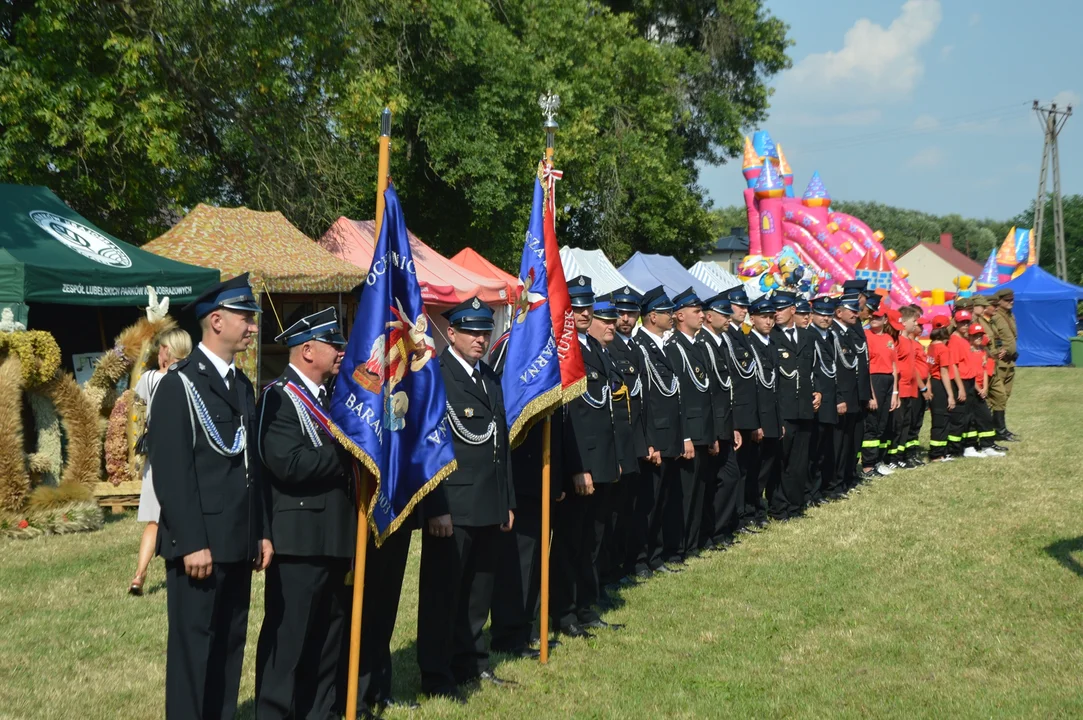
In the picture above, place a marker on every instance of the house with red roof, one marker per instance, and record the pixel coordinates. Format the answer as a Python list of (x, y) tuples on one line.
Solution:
[(936, 265)]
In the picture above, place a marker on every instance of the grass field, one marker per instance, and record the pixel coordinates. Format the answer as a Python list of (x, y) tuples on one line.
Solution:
[(948, 591)]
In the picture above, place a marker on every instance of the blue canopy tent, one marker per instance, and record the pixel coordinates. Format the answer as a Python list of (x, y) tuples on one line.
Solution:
[(649, 271), (1045, 314)]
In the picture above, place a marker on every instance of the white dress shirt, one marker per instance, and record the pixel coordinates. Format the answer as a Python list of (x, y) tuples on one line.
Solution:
[(219, 364), (312, 387)]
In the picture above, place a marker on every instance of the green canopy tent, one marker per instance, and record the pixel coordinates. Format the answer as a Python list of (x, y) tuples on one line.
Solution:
[(54, 255), (57, 263)]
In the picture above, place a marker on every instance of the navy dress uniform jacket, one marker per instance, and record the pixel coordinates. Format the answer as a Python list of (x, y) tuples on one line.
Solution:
[(208, 500), (745, 409), (695, 403), (628, 413), (311, 494), (825, 371), (767, 410), (793, 381), (847, 369), (663, 422), (589, 433), (481, 491), (721, 384)]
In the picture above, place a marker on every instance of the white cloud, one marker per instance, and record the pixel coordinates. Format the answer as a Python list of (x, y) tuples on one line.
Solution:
[(874, 62), (930, 157), (975, 19), (865, 116), (1066, 97), (926, 122), (945, 52)]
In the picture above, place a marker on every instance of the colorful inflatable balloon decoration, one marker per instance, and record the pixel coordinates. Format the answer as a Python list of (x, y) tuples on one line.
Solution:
[(830, 247)]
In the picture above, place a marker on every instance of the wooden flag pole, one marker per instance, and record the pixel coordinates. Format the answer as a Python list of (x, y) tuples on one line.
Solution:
[(543, 629), (550, 125), (361, 549)]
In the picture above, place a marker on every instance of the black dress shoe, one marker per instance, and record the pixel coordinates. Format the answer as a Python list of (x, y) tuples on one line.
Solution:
[(575, 631), (487, 676), (645, 574), (603, 625), (669, 570), (523, 653)]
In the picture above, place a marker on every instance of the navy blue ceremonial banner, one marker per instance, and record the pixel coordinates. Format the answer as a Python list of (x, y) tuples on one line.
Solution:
[(543, 367), (389, 406)]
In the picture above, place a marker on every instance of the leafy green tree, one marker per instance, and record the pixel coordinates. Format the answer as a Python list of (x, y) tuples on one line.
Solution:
[(134, 111)]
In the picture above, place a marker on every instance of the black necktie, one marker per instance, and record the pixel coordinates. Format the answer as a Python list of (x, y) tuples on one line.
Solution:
[(321, 397), (792, 334), (229, 379)]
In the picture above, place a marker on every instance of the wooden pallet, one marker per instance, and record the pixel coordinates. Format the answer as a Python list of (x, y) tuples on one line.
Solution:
[(118, 498)]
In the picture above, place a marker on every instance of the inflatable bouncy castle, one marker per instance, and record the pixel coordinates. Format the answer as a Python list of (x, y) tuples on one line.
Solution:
[(800, 243)]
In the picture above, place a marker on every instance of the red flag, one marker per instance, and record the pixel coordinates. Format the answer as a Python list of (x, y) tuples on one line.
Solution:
[(573, 376)]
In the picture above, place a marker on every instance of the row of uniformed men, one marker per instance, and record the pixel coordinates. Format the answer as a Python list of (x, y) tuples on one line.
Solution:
[(689, 431)]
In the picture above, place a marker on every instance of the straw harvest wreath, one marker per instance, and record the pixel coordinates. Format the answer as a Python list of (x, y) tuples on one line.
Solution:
[(51, 430)]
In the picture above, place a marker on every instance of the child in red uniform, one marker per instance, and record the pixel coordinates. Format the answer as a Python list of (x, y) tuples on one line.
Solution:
[(885, 396), (962, 442), (911, 317), (942, 371), (908, 390), (982, 417)]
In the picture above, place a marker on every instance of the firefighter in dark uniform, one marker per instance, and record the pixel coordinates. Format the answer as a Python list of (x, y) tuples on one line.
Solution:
[(798, 402), (630, 522), (849, 352), (700, 441), (822, 484), (464, 514), (745, 409), (314, 524), (214, 528), (769, 431), (664, 427), (724, 479), (518, 570), (591, 466)]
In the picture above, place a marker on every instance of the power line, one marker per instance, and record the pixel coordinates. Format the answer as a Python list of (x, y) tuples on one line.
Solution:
[(1052, 121)]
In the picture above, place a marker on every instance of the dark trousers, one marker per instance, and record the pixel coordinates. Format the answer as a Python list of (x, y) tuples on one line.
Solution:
[(611, 565), (901, 424), (877, 423), (958, 421), (640, 497), (720, 498), (760, 463), (455, 593), (208, 620), (518, 578), (822, 478), (790, 474), (917, 419), (577, 539), (300, 642), (658, 489), (385, 568), (982, 422), (685, 510), (846, 431), (748, 459), (938, 429), (970, 426)]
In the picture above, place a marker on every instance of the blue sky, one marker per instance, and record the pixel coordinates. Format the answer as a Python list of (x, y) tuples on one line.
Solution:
[(924, 104)]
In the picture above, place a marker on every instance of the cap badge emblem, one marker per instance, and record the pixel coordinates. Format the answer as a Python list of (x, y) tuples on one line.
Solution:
[(476, 305)]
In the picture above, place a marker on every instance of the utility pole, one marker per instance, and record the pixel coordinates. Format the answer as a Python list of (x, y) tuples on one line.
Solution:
[(1052, 121)]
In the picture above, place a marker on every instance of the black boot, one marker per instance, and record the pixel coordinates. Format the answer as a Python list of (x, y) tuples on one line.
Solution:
[(1001, 427)]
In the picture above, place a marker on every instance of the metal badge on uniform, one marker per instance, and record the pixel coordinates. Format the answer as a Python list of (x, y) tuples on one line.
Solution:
[(593, 375), (468, 412), (699, 371), (785, 354), (202, 367)]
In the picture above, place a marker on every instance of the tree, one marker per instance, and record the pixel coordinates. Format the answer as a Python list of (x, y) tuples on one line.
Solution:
[(135, 111)]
